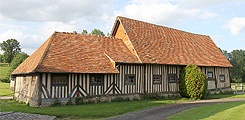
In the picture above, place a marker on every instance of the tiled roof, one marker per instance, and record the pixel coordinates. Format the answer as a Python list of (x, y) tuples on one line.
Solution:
[(163, 45), (77, 53), (31, 63)]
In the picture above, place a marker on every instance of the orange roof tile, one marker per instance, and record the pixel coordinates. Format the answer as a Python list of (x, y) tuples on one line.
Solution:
[(163, 45), (77, 53)]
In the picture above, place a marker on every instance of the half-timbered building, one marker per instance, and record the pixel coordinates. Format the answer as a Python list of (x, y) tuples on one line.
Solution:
[(138, 57)]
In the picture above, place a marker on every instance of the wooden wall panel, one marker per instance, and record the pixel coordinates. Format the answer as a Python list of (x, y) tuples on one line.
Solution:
[(115, 83), (217, 71)]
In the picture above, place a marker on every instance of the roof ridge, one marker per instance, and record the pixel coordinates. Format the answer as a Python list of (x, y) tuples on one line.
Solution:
[(84, 34), (161, 26), (46, 50)]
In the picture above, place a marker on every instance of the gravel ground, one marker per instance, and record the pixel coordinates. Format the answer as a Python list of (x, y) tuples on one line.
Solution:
[(162, 112), (23, 116)]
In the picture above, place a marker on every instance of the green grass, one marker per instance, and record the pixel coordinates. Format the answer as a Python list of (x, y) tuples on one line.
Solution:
[(223, 111), (5, 89), (4, 70), (89, 111), (96, 111)]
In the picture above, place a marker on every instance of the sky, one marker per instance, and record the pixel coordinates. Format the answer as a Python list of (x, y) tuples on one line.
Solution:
[(31, 22)]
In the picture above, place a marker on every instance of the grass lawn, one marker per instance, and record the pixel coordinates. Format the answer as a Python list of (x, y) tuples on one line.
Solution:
[(88, 111), (223, 111), (5, 89), (4, 70), (96, 111)]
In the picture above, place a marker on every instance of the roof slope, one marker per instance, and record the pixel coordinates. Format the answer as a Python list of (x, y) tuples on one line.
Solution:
[(162, 45), (77, 53), (31, 63)]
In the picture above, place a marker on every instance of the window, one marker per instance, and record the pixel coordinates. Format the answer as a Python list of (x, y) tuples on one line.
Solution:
[(210, 74), (172, 78), (97, 79), (59, 79), (157, 79), (129, 79), (222, 78)]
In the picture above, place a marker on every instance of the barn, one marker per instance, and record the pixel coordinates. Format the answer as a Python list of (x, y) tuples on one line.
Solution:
[(139, 57)]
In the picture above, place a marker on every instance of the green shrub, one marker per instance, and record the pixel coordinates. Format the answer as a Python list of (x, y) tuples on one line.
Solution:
[(56, 102), (182, 83), (6, 79), (90, 102), (69, 102), (120, 99), (194, 82), (79, 99)]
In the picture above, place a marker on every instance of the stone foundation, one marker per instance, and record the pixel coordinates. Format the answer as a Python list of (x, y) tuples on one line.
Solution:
[(99, 99)]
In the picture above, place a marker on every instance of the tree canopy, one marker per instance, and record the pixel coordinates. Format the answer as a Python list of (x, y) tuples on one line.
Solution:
[(85, 32), (11, 47), (18, 59), (1, 58), (237, 59), (97, 32)]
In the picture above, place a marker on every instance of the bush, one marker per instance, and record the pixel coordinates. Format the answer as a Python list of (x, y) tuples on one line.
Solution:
[(120, 99), (69, 102), (182, 84), (79, 99), (6, 79), (56, 102), (193, 83)]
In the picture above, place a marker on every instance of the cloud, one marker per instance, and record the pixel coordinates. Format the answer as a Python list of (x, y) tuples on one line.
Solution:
[(157, 12), (27, 41), (241, 39), (51, 10), (208, 15), (205, 3), (47, 28), (236, 25), (217, 38)]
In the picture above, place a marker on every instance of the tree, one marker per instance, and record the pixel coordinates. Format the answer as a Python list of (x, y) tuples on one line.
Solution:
[(97, 32), (226, 54), (238, 61), (75, 32), (85, 32), (1, 58), (18, 59), (108, 35), (11, 47), (193, 83)]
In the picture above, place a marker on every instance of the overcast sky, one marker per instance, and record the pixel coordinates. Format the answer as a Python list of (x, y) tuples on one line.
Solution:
[(32, 21)]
